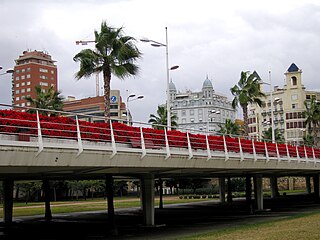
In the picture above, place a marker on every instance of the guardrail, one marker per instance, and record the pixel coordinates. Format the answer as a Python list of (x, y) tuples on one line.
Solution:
[(26, 127)]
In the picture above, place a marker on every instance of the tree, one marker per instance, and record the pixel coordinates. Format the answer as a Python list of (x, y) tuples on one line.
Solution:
[(46, 99), (115, 54), (160, 121), (246, 92), (229, 128), (267, 135), (308, 140), (312, 115)]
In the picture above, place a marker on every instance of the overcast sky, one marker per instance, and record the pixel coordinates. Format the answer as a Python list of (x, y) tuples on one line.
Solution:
[(215, 38)]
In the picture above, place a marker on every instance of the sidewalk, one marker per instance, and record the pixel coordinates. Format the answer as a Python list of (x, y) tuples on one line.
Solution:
[(172, 222)]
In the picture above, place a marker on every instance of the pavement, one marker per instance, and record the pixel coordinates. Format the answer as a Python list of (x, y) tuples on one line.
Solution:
[(172, 222)]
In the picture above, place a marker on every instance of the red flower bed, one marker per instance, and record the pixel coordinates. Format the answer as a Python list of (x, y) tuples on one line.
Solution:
[(64, 127)]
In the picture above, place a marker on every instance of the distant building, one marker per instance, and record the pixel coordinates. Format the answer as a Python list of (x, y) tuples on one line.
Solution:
[(288, 109), (95, 106), (32, 68), (203, 110)]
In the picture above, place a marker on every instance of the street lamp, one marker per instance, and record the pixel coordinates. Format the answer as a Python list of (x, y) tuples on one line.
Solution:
[(131, 97), (10, 70), (276, 100), (214, 111), (158, 44)]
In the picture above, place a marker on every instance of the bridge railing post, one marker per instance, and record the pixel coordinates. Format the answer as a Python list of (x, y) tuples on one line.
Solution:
[(113, 142), (314, 156), (266, 151), (225, 148), (298, 156), (240, 149), (306, 154), (254, 151), (189, 146), (288, 153), (143, 146), (208, 148), (80, 146), (167, 144), (277, 149), (40, 140)]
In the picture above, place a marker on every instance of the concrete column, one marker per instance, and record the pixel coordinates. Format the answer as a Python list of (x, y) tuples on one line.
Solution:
[(274, 186), (259, 192), (316, 187), (222, 189), (46, 190), (291, 183), (308, 185), (7, 201), (248, 194), (160, 194), (147, 187), (229, 193)]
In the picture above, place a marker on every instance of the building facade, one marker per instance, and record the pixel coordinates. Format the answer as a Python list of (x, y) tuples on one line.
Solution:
[(32, 68), (94, 106), (288, 109), (202, 111)]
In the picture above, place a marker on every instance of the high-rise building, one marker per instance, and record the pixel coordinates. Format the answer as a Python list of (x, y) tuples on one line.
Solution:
[(288, 109), (204, 110), (32, 68)]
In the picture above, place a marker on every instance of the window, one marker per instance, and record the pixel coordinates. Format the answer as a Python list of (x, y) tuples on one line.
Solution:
[(28, 76), (17, 98), (23, 83), (28, 69), (28, 104), (17, 91), (294, 81), (183, 113), (23, 70), (43, 84), (43, 70), (28, 83), (23, 90), (17, 78), (22, 77), (17, 85), (191, 112), (294, 105), (192, 120), (28, 89)]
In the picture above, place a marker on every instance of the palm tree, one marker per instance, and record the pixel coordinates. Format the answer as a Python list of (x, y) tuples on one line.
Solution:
[(115, 54), (267, 135), (308, 140), (46, 99), (160, 121), (312, 115), (229, 128), (246, 92)]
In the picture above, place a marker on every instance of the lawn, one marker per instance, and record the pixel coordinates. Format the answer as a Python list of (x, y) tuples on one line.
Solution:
[(303, 226)]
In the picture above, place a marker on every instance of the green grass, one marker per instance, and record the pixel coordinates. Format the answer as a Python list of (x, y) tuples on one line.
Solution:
[(302, 226), (37, 208)]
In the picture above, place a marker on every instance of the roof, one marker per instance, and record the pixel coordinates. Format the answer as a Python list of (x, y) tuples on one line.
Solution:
[(207, 83), (172, 87), (293, 68)]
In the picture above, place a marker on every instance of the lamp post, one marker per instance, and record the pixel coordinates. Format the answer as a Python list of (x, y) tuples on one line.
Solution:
[(10, 70), (211, 112), (131, 97), (158, 44), (271, 99)]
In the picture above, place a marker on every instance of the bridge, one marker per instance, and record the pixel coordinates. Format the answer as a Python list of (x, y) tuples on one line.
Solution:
[(34, 146)]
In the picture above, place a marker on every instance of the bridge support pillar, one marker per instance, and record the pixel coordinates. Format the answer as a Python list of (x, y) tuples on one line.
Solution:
[(222, 189), (248, 194), (316, 187), (308, 185), (147, 187), (229, 188), (8, 201), (274, 186), (259, 192)]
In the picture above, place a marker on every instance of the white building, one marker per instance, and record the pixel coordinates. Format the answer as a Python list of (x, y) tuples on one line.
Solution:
[(288, 109), (203, 110)]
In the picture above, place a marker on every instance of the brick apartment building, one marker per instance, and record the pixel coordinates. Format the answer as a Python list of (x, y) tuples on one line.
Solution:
[(32, 68)]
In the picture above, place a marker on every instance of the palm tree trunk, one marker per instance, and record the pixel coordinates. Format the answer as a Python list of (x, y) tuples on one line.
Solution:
[(106, 82), (245, 119)]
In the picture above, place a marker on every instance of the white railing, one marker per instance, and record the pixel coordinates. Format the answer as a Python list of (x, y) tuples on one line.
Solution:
[(39, 129)]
